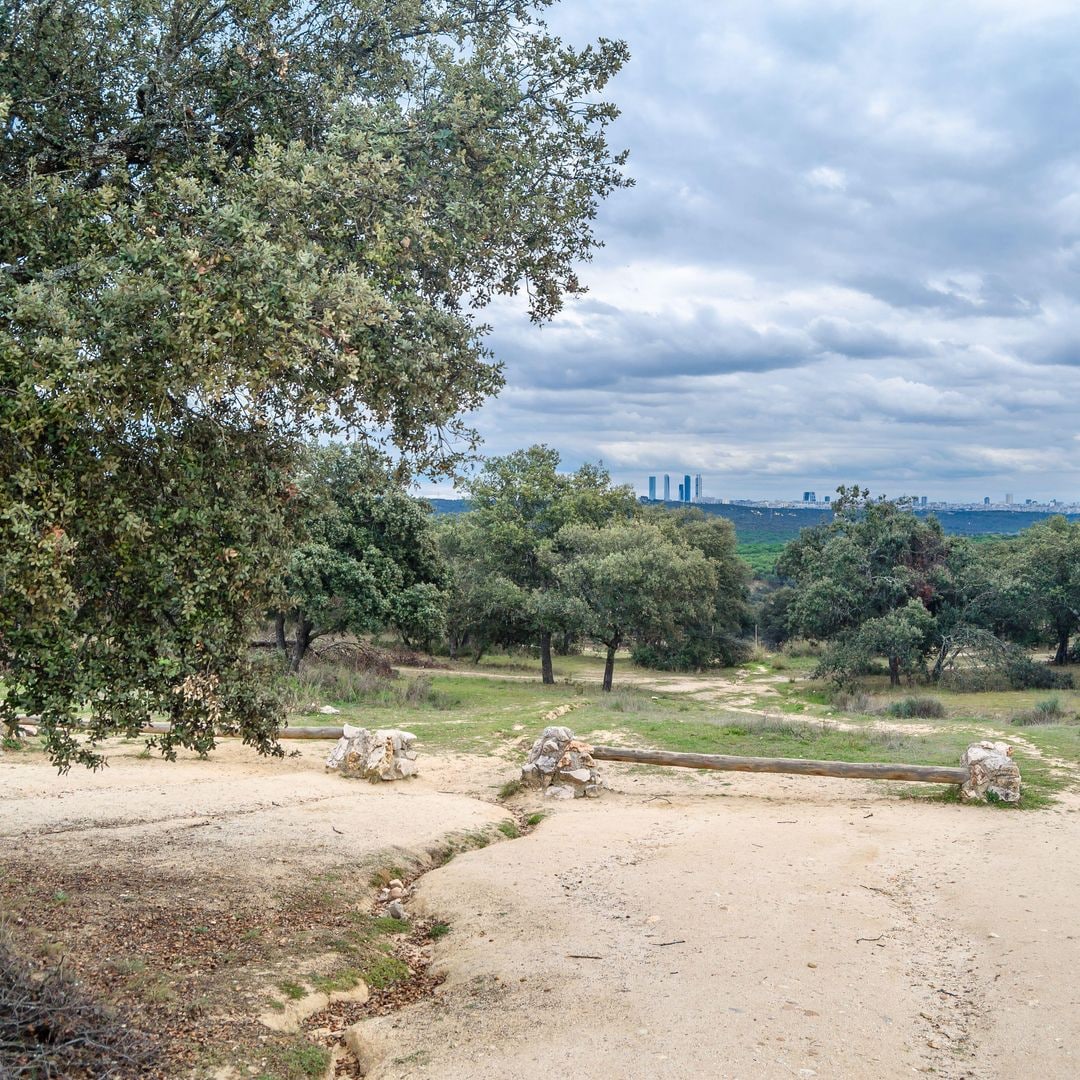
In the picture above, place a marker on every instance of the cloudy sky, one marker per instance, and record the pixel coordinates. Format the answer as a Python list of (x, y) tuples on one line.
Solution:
[(852, 254)]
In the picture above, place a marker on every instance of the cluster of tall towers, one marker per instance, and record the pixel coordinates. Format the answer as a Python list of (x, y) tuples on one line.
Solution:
[(686, 492)]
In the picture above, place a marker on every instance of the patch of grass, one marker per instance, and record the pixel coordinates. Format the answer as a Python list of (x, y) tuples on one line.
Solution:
[(509, 829), (387, 925), (292, 990), (510, 789), (384, 875), (299, 1060), (925, 708), (129, 965), (342, 980), (384, 971), (158, 992), (438, 930), (534, 819)]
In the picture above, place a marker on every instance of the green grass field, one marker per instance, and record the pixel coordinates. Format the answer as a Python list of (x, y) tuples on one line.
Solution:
[(769, 707)]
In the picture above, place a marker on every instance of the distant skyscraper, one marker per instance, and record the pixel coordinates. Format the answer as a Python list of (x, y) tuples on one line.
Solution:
[(686, 488), (697, 488), (922, 501), (986, 500), (809, 496), (1008, 499), (667, 488), (652, 489), (680, 493)]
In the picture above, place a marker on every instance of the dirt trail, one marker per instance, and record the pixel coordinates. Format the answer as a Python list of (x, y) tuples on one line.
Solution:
[(261, 818), (682, 926), (757, 927)]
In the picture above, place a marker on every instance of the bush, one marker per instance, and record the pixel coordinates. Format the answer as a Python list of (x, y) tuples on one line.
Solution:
[(926, 708), (329, 682), (1023, 673), (1047, 711), (853, 701), (692, 653), (974, 680)]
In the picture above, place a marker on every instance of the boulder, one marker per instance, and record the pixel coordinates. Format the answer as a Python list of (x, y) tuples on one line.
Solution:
[(374, 755), (994, 774), (561, 766)]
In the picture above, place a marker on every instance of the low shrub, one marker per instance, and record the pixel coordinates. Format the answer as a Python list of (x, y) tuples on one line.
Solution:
[(1047, 711), (852, 701), (925, 708), (1024, 673), (799, 647), (974, 680), (318, 683)]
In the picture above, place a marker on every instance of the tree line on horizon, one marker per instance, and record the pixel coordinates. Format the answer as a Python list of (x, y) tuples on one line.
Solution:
[(548, 560)]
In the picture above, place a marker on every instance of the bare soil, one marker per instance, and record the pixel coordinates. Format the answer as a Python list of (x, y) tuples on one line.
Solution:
[(683, 925)]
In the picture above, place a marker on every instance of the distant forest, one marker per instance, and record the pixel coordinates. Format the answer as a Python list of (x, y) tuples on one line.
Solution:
[(761, 531)]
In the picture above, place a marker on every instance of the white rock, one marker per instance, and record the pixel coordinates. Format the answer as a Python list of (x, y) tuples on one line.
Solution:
[(378, 755), (559, 791), (329, 710), (993, 773), (561, 761)]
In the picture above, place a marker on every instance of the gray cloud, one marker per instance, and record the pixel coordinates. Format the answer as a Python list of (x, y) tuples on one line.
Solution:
[(851, 253)]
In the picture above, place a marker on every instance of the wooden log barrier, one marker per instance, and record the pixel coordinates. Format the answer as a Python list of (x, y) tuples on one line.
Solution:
[(297, 732), (923, 774)]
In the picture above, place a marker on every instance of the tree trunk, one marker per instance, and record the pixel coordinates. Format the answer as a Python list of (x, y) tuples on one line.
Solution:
[(609, 666), (301, 643), (894, 670), (548, 673), (279, 635), (1062, 654)]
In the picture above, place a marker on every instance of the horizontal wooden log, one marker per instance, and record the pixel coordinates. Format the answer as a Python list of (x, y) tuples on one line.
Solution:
[(298, 732), (923, 774), (285, 733)]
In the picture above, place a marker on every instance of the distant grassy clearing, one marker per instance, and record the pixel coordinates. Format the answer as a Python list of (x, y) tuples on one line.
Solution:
[(469, 714)]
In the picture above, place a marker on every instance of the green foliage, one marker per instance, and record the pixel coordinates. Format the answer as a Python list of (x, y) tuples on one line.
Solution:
[(504, 555), (292, 990), (224, 231), (760, 555), (713, 639), (870, 583), (1041, 587), (925, 708), (384, 971), (633, 580), (369, 558)]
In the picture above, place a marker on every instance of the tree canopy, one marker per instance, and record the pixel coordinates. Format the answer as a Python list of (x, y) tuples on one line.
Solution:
[(870, 582), (224, 229), (632, 581), (519, 502), (367, 558)]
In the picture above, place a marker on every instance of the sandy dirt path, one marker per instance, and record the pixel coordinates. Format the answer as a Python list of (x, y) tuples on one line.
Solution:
[(259, 818), (756, 927)]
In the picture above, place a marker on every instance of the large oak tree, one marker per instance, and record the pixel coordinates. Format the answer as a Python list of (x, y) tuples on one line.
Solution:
[(227, 226)]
